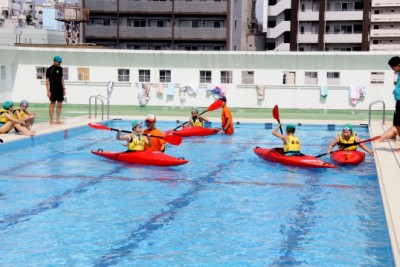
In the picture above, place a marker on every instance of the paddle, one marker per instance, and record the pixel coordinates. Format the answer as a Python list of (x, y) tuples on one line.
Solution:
[(347, 145), (216, 105), (172, 139), (275, 113)]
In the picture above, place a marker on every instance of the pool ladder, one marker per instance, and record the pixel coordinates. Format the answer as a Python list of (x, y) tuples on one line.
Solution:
[(383, 113), (101, 98)]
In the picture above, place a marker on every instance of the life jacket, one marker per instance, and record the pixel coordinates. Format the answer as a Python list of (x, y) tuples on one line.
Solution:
[(137, 143), (21, 113), (293, 146), (347, 144), (195, 122), (2, 118)]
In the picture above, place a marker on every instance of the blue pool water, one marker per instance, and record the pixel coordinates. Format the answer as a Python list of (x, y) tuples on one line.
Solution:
[(62, 206)]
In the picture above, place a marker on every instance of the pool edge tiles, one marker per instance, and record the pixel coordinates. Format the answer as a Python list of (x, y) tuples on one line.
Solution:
[(388, 170)]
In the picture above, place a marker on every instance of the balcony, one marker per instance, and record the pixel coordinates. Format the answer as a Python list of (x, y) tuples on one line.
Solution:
[(200, 34), (385, 3), (385, 33), (156, 33), (343, 38), (344, 15), (157, 7), (307, 38), (308, 16), (385, 18), (384, 47), (101, 32)]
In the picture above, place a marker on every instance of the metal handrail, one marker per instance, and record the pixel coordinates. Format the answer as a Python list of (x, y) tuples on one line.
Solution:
[(383, 113), (99, 97)]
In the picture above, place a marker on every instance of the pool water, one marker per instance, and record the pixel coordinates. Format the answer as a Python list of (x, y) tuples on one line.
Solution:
[(62, 206)]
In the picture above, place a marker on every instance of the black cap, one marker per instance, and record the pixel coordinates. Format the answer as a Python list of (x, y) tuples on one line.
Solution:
[(222, 98)]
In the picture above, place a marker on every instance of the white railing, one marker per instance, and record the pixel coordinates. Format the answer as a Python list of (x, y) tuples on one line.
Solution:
[(385, 32), (343, 38), (308, 16), (385, 17), (385, 3), (384, 47), (307, 38), (101, 99), (343, 15)]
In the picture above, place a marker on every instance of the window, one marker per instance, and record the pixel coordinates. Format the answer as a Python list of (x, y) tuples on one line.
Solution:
[(311, 77), (83, 74), (377, 77), (123, 75), (165, 76), (347, 29), (289, 77), (226, 76), (333, 78), (144, 76), (213, 23), (159, 23), (247, 77), (357, 28), (190, 23), (3, 72), (205, 76), (65, 73), (40, 73), (138, 23)]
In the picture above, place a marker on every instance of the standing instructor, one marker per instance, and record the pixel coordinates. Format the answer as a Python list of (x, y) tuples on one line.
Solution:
[(394, 64), (55, 89), (226, 117)]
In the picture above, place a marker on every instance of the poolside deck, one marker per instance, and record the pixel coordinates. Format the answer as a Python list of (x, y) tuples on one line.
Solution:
[(387, 163)]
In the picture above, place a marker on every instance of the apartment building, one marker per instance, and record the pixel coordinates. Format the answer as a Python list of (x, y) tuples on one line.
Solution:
[(214, 25), (332, 25), (10, 15), (385, 25)]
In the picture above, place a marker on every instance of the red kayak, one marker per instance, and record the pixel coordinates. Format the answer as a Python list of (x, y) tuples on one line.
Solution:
[(194, 131), (352, 157), (276, 155), (148, 157)]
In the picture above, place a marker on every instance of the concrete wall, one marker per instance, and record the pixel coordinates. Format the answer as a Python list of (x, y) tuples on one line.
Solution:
[(355, 69), (31, 36)]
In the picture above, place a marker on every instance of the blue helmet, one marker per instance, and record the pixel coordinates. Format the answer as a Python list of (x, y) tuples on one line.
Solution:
[(57, 59)]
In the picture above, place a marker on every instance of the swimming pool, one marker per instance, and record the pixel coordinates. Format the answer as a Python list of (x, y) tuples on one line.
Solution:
[(62, 206)]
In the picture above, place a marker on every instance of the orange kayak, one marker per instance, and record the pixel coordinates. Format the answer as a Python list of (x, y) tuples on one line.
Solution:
[(352, 157)]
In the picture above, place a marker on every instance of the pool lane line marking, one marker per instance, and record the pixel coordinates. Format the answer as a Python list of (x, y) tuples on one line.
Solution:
[(182, 180), (47, 204)]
